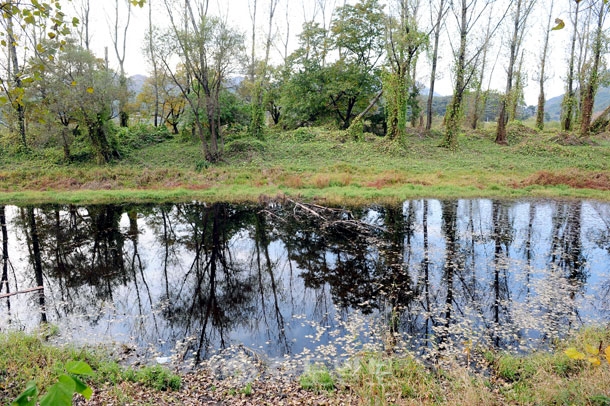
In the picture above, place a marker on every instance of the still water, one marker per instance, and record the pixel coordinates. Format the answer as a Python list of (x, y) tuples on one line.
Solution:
[(279, 279)]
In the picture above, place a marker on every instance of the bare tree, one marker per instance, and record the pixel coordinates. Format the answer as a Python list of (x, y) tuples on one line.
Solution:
[(522, 10), (569, 99), (542, 74), (441, 13), (467, 14), (119, 41), (154, 62), (208, 51)]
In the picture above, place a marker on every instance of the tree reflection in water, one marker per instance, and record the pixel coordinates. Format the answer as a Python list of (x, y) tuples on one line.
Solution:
[(192, 278)]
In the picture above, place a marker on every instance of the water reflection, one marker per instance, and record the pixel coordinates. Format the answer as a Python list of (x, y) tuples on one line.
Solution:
[(189, 279)]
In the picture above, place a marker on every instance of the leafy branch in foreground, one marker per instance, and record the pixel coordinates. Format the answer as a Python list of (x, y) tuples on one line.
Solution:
[(61, 393)]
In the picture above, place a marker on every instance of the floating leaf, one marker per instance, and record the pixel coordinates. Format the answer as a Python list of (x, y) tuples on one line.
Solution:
[(574, 353), (560, 24)]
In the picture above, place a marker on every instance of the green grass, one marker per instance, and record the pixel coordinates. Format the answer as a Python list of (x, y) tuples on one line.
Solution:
[(315, 163), (540, 378), (26, 357)]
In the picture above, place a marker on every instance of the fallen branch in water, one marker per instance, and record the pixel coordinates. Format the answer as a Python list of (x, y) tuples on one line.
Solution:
[(2, 296)]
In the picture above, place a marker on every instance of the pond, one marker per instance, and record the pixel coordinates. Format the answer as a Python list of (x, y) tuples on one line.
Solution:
[(285, 280)]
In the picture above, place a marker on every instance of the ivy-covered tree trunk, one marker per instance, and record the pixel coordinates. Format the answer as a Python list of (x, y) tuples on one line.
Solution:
[(395, 89), (590, 89), (96, 127), (505, 102), (454, 110)]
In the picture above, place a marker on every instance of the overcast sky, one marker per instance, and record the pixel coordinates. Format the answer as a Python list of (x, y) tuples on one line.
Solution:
[(237, 13)]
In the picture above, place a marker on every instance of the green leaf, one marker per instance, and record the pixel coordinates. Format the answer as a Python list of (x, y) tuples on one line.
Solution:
[(28, 397), (78, 368), (574, 353), (82, 388), (61, 393)]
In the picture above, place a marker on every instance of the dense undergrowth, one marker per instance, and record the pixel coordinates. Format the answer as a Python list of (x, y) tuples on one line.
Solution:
[(318, 163)]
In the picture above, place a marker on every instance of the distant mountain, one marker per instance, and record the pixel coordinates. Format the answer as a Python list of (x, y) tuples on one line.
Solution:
[(136, 83), (553, 105)]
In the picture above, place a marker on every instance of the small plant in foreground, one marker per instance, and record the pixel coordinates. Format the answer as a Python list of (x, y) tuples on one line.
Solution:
[(317, 378), (59, 394)]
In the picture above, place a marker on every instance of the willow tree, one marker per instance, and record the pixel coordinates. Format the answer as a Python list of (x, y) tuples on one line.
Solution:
[(520, 13), (404, 44), (208, 51)]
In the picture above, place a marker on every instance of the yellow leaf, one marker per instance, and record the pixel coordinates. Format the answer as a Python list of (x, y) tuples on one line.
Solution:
[(560, 24), (594, 361), (574, 353), (591, 349), (607, 353), (51, 35), (89, 90), (73, 83)]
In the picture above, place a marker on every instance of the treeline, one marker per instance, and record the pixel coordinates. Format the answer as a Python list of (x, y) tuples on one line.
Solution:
[(356, 71)]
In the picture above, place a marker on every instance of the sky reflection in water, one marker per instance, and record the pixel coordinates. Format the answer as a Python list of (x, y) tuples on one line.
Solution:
[(189, 279)]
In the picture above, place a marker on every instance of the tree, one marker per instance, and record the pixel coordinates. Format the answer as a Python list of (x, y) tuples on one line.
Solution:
[(441, 13), (119, 43), (467, 14), (542, 74), (598, 46), (17, 15), (77, 88), (521, 11), (569, 99), (357, 33), (208, 50), (404, 44)]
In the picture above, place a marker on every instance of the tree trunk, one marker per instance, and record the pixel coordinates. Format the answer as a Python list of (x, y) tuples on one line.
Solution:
[(514, 45), (542, 79), (16, 76), (567, 106), (593, 82), (455, 107), (437, 34)]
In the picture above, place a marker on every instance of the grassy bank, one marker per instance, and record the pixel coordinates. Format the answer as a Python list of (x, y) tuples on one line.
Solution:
[(313, 163), (483, 377)]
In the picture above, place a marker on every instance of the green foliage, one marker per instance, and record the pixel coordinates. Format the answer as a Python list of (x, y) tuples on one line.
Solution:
[(245, 146), (317, 378), (155, 377), (60, 393), (140, 135)]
